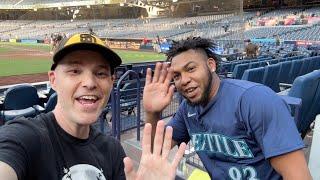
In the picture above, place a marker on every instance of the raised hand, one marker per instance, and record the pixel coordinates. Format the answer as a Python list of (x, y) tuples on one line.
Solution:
[(157, 93), (155, 166)]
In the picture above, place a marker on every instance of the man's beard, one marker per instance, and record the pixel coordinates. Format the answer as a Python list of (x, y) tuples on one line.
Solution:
[(205, 94)]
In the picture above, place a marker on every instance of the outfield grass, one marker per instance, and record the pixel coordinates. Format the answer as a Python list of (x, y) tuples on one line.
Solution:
[(30, 64), (42, 47), (23, 66)]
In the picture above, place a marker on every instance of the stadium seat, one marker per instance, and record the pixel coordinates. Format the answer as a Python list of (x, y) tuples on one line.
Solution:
[(270, 77), (20, 97), (283, 76), (239, 70), (254, 75), (295, 70), (51, 103), (254, 65), (20, 100), (305, 66), (307, 87)]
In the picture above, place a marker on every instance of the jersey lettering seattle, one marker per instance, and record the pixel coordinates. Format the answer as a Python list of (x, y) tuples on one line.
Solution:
[(217, 143)]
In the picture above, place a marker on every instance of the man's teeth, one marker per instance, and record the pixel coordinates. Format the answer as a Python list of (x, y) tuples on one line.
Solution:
[(190, 90), (89, 98)]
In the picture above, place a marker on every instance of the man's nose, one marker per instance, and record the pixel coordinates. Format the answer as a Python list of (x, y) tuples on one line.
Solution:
[(185, 79), (89, 81)]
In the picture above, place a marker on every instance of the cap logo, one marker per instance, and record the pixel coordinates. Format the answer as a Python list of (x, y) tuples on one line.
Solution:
[(87, 38), (83, 38)]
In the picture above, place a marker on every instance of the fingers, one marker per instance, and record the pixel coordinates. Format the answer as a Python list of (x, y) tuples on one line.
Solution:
[(167, 142), (157, 72), (146, 139), (164, 72), (169, 76), (128, 169), (170, 93), (161, 74), (158, 139), (179, 155), (148, 76)]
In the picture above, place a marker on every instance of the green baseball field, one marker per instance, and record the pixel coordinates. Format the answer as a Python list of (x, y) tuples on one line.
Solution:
[(18, 58)]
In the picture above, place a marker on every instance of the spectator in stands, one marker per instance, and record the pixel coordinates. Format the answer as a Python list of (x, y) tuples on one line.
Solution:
[(240, 129), (56, 38), (91, 31), (277, 39), (252, 50), (62, 144)]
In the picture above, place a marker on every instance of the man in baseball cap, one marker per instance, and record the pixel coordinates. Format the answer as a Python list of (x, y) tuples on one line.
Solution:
[(62, 144)]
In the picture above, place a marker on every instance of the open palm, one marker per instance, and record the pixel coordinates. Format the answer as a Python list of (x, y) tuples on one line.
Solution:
[(155, 166), (157, 93)]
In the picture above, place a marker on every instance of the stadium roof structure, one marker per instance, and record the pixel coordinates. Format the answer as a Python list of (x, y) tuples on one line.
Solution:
[(38, 4)]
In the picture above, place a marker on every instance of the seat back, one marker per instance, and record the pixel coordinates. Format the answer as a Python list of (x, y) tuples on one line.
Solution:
[(51, 103), (20, 97), (239, 70), (283, 76), (254, 65), (295, 70), (270, 77), (254, 75), (304, 67), (307, 87)]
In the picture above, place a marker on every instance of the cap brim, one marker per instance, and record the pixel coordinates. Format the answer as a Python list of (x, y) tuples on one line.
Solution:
[(110, 56)]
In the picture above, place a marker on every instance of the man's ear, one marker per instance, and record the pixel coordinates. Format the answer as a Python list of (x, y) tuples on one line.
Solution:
[(52, 79), (212, 64), (113, 77)]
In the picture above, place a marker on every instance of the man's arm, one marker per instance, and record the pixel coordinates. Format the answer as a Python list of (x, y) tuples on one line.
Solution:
[(7, 172), (157, 94), (291, 165)]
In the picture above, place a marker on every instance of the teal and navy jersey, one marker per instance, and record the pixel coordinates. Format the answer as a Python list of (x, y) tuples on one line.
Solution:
[(243, 126)]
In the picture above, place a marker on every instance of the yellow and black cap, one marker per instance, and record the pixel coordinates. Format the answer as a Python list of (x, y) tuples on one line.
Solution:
[(85, 42)]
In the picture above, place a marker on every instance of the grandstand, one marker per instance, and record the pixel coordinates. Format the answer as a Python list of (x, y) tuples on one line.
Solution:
[(27, 26)]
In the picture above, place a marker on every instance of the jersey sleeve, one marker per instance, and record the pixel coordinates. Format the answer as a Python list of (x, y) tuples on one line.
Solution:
[(268, 119), (180, 131), (16, 143)]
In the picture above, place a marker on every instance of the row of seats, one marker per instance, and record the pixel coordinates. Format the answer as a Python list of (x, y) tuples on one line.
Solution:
[(239, 69), (283, 72), (23, 100)]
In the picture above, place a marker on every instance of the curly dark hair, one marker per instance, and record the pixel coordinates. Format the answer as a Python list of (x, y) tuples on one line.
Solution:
[(193, 43)]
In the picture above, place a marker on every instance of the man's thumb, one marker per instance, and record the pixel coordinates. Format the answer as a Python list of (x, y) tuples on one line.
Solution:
[(128, 169)]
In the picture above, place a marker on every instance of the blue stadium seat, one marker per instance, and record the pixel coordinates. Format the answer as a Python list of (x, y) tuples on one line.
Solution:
[(284, 76), (51, 103), (141, 70), (317, 64), (295, 70), (239, 70), (20, 100), (304, 67), (254, 65), (307, 87), (254, 75), (270, 77), (20, 97)]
